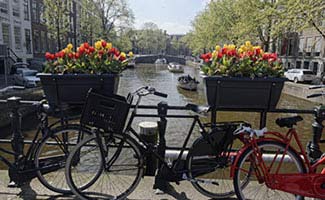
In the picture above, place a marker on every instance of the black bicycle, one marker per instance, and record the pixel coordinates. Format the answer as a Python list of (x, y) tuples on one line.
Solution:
[(48, 150), (118, 158)]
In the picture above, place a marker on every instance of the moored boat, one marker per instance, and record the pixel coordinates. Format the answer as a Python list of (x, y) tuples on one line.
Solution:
[(175, 68), (187, 82), (161, 61)]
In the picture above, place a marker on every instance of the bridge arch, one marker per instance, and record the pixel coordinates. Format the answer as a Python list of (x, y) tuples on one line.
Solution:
[(150, 59)]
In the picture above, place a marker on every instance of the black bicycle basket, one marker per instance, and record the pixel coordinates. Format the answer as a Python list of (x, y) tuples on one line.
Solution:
[(105, 112)]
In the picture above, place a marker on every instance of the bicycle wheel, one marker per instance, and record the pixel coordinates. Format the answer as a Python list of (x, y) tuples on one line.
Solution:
[(210, 175), (256, 188), (118, 162), (51, 155)]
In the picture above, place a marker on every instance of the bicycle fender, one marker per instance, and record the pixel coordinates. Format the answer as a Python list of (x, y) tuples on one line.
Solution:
[(247, 146)]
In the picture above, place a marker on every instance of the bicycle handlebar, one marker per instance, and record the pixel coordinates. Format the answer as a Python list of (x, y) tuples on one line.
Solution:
[(160, 94)]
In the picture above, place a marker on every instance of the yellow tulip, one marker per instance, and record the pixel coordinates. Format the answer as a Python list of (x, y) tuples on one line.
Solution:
[(214, 54), (70, 46), (240, 50), (130, 54), (248, 43), (98, 45), (108, 45), (217, 48), (123, 54), (66, 50)]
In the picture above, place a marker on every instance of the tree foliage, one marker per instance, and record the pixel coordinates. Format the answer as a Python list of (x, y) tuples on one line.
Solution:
[(150, 39), (260, 21), (113, 13), (56, 16)]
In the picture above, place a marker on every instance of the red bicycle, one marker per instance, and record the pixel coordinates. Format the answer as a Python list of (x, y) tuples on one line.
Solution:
[(276, 166)]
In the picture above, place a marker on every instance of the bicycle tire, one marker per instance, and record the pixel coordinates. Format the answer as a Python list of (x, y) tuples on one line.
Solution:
[(261, 190), (121, 179), (56, 151), (208, 178)]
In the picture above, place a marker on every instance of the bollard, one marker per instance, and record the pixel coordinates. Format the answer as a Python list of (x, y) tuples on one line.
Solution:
[(149, 133)]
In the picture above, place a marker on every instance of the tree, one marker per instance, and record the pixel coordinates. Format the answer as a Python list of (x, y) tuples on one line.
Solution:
[(113, 13), (56, 18), (299, 15), (150, 39), (90, 22)]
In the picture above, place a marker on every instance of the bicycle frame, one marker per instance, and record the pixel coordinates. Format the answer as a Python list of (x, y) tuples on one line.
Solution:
[(309, 184), (148, 148)]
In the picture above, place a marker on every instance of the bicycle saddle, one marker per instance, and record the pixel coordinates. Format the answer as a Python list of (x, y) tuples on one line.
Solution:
[(288, 121), (197, 108)]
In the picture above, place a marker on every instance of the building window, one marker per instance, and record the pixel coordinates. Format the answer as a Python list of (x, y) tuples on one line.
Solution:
[(34, 10), (6, 34), (291, 47), (4, 6), (17, 34), (26, 10), (36, 41), (15, 8), (43, 37), (301, 46), (28, 41), (318, 45), (306, 65), (298, 64), (309, 46)]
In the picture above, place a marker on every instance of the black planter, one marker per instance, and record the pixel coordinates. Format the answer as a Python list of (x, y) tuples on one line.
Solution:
[(243, 93), (71, 89)]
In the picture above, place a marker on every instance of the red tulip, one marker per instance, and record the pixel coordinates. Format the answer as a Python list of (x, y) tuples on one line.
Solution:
[(100, 52), (121, 58), (48, 56), (91, 49), (70, 55), (81, 50), (86, 45), (104, 43), (77, 55), (61, 54)]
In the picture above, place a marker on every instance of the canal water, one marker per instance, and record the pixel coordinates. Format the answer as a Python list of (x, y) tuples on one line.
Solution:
[(159, 77)]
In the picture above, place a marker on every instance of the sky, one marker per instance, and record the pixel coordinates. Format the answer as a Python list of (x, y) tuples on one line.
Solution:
[(175, 16)]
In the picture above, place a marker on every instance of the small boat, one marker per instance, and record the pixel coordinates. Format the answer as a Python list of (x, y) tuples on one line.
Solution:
[(131, 64), (175, 68), (187, 83), (161, 61)]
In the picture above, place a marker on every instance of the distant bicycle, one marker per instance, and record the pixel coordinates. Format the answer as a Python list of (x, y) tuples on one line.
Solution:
[(117, 156)]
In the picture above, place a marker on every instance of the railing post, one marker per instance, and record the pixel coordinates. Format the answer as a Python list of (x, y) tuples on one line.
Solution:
[(17, 140)]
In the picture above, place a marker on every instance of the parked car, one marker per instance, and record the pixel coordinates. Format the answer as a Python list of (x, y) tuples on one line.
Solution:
[(26, 77), (300, 75)]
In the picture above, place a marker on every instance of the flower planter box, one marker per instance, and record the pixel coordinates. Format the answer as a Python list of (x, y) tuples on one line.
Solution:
[(243, 93), (71, 89)]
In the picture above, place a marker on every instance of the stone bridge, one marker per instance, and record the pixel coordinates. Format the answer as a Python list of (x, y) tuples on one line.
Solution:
[(153, 58)]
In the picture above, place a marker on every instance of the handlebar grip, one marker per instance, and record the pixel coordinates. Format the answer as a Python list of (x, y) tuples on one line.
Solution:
[(315, 95), (161, 94)]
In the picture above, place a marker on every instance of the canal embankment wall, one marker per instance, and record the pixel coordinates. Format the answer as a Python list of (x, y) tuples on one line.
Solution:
[(302, 91)]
